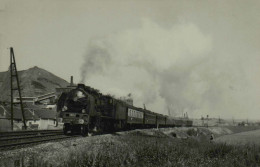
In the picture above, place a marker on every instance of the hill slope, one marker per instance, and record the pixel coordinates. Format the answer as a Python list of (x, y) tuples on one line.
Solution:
[(34, 81)]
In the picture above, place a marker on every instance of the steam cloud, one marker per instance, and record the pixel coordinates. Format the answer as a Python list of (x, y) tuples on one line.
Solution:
[(170, 68)]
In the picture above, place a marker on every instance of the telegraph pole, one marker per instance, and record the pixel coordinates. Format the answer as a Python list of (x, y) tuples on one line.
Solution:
[(11, 83), (207, 121), (14, 73)]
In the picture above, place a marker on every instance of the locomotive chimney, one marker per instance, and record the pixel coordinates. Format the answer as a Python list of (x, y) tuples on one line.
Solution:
[(71, 80)]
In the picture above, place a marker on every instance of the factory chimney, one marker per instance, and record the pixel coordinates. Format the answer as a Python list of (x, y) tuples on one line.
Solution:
[(144, 107), (71, 81)]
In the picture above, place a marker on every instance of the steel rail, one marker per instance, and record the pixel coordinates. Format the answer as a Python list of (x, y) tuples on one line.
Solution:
[(23, 133), (24, 143), (29, 136)]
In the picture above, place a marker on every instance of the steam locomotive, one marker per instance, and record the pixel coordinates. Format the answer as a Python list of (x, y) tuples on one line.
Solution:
[(83, 110)]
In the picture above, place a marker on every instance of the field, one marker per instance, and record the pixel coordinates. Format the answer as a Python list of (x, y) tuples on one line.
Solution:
[(163, 147), (251, 137)]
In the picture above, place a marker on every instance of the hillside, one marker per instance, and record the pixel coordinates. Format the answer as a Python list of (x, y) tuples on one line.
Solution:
[(34, 81)]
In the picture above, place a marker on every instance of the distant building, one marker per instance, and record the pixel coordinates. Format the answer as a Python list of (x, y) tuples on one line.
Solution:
[(242, 123), (1, 83), (25, 99), (46, 98), (4, 123), (36, 118)]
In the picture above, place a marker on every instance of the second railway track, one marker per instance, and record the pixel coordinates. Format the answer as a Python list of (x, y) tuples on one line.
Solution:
[(12, 140)]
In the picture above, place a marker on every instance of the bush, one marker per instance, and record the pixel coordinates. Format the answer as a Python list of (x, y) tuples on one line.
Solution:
[(192, 132)]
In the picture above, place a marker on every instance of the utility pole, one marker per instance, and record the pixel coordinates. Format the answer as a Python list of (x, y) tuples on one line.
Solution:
[(14, 73), (169, 111), (207, 121), (11, 83)]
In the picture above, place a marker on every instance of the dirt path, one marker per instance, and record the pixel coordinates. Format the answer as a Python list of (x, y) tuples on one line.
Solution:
[(251, 137)]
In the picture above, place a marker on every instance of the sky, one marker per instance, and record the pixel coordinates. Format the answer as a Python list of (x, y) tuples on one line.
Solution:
[(198, 57)]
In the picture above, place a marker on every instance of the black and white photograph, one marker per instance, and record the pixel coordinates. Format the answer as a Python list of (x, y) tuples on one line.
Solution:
[(129, 83)]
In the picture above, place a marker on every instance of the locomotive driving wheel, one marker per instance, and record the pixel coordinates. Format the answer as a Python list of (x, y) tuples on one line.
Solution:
[(66, 128), (84, 130)]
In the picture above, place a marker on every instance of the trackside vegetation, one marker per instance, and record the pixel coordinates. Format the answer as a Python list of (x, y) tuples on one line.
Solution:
[(142, 150)]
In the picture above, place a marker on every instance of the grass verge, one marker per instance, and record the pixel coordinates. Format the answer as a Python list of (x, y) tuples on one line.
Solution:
[(135, 150)]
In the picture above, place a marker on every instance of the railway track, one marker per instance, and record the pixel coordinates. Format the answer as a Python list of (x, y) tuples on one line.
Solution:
[(12, 140), (17, 139)]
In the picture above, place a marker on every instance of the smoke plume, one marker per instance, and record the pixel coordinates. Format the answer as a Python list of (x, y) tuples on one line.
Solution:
[(175, 68)]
